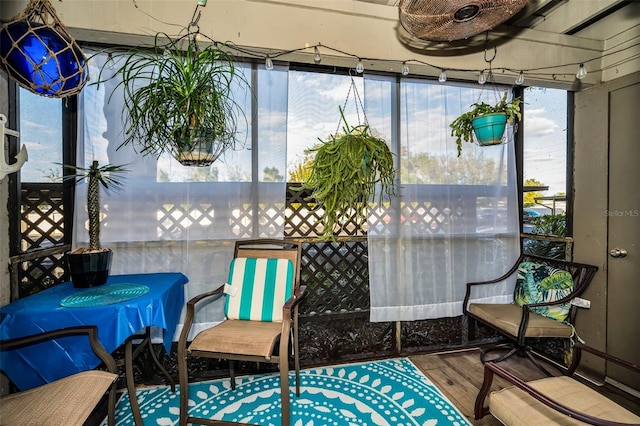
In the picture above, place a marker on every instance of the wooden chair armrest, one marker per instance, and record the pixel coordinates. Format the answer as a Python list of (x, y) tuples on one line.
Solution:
[(90, 331), (296, 298), (196, 299), (579, 347), (191, 312), (524, 321), (470, 285), (490, 368)]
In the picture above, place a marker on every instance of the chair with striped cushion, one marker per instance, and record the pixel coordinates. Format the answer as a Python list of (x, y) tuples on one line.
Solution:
[(261, 309)]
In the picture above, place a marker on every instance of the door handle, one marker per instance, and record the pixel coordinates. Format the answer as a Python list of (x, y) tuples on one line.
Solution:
[(618, 252)]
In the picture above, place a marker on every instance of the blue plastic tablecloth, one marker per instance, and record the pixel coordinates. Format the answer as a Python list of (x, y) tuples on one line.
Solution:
[(38, 364)]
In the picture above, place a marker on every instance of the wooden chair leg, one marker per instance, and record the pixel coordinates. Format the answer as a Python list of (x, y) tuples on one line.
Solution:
[(479, 409), (183, 375), (131, 386), (284, 390), (232, 374), (111, 410), (296, 358), (535, 362), (155, 359), (483, 354)]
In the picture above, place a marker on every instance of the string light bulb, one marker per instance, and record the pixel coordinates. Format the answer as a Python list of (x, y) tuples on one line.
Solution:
[(360, 66), (405, 69), (520, 79), (482, 79), (316, 55), (268, 63), (443, 76), (582, 72)]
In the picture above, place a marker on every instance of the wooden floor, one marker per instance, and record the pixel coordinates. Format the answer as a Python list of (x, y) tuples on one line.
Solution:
[(459, 376)]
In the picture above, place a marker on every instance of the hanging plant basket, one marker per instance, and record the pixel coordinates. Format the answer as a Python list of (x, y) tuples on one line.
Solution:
[(197, 147), (180, 97), (489, 129), (347, 170), (485, 123)]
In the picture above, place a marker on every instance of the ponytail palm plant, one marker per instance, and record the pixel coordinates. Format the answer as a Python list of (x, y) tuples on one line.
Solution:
[(106, 176), (179, 99), (90, 267)]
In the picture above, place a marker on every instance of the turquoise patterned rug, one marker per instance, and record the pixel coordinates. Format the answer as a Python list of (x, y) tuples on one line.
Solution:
[(389, 392)]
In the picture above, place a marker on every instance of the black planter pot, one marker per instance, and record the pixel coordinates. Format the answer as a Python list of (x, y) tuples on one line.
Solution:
[(89, 269)]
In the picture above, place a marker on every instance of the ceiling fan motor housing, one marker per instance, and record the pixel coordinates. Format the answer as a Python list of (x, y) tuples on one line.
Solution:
[(449, 20)]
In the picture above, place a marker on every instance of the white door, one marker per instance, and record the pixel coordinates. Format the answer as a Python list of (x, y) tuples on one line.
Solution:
[(623, 291)]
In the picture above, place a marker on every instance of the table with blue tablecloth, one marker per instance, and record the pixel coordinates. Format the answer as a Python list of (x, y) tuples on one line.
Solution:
[(122, 307)]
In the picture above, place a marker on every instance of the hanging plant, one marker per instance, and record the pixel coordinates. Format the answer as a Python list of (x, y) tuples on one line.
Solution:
[(179, 97), (466, 127), (346, 170)]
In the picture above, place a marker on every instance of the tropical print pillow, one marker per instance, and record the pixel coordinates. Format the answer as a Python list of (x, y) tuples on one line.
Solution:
[(539, 283)]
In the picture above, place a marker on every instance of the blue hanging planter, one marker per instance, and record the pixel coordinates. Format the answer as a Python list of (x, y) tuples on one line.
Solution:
[(42, 58), (489, 128)]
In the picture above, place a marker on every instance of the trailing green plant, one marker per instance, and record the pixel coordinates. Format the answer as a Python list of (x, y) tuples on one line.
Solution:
[(554, 225), (462, 127), (550, 224), (107, 176), (176, 94), (345, 172)]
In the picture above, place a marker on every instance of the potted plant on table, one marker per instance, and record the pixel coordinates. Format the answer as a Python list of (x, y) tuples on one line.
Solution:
[(345, 171), (485, 123), (89, 267), (179, 99)]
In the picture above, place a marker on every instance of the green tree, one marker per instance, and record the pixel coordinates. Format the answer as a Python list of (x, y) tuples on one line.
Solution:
[(203, 174), (300, 171), (528, 198), (424, 168), (272, 174)]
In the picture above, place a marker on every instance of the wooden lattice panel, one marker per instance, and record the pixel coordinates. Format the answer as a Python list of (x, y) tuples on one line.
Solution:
[(174, 220), (40, 274), (337, 277), (42, 216), (303, 220)]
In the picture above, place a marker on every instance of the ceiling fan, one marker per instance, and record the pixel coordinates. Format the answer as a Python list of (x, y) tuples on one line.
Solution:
[(449, 20)]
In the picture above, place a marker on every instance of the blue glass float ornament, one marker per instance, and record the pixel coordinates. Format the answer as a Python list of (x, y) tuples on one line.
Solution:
[(42, 58)]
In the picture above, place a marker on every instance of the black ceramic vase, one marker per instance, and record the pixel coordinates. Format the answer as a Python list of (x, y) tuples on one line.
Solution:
[(89, 269)]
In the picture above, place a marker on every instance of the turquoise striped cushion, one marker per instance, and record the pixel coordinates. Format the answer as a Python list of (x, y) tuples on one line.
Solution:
[(258, 288)]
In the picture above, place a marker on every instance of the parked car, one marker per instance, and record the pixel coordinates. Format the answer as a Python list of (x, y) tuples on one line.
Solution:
[(528, 214)]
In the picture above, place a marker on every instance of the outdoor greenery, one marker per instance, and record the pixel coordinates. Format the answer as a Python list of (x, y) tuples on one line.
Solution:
[(462, 127), (550, 225), (177, 94), (346, 169)]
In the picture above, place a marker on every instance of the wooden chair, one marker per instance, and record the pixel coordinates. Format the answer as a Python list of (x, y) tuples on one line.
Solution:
[(561, 400), (245, 334), (521, 323), (67, 401)]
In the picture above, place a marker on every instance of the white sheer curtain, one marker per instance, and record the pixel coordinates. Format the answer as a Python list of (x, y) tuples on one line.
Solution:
[(456, 219), (184, 219)]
